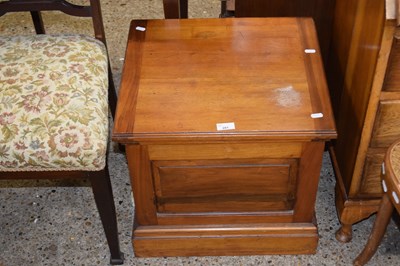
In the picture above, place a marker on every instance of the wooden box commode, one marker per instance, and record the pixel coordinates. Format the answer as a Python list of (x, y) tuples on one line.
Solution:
[(224, 122)]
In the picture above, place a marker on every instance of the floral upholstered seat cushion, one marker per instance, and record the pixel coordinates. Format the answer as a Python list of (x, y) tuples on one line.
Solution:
[(53, 103)]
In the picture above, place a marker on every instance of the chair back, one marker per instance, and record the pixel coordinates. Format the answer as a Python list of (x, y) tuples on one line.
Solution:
[(35, 6)]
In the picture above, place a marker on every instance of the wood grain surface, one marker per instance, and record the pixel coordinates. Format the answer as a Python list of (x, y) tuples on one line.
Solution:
[(182, 77)]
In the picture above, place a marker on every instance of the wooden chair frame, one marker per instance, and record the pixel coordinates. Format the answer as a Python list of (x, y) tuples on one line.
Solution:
[(100, 180), (175, 8)]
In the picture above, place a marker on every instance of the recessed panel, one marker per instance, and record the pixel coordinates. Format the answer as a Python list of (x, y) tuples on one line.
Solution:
[(225, 185)]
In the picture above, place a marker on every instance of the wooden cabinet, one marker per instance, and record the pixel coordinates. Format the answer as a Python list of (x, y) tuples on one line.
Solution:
[(224, 122), (320, 10), (364, 81)]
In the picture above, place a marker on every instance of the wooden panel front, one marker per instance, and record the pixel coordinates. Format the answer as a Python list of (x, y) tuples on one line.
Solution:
[(371, 179), (392, 79), (387, 123), (225, 185), (361, 36)]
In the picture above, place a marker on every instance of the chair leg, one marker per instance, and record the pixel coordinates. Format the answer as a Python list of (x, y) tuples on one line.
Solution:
[(37, 22), (103, 196), (171, 8), (223, 8), (381, 222), (183, 8), (112, 93)]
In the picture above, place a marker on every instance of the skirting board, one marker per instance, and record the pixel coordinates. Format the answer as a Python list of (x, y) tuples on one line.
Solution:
[(225, 240)]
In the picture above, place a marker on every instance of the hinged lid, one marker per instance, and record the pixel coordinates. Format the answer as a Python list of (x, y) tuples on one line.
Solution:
[(223, 78)]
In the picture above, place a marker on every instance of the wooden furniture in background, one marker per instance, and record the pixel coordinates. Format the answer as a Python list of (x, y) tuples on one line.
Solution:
[(320, 10), (364, 82), (175, 8), (179, 8), (224, 122), (390, 200)]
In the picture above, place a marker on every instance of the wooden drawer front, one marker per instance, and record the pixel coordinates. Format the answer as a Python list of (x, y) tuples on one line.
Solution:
[(225, 185), (387, 124), (392, 78), (371, 179), (225, 151)]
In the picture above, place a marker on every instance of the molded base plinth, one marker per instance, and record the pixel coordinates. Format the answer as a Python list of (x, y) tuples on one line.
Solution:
[(260, 239)]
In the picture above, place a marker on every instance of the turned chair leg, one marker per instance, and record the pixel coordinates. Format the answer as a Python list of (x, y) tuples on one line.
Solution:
[(104, 199), (381, 222)]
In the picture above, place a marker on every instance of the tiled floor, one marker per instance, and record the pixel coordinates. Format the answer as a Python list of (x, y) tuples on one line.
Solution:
[(57, 223)]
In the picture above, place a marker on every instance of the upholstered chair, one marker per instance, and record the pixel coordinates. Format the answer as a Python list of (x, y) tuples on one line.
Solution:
[(54, 106)]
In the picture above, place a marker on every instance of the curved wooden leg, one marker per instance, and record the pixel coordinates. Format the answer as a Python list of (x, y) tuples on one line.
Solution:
[(345, 233), (378, 230)]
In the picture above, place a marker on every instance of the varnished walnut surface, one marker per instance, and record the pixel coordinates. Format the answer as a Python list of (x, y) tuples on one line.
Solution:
[(202, 191), (189, 75)]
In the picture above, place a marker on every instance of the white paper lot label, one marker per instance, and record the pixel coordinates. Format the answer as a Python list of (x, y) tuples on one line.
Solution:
[(317, 115), (140, 28), (310, 51), (225, 126)]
